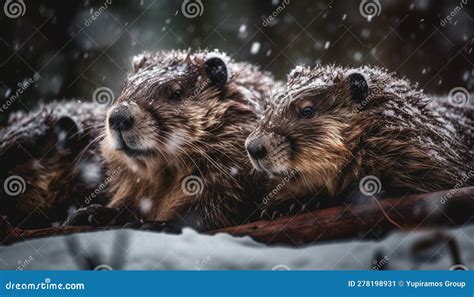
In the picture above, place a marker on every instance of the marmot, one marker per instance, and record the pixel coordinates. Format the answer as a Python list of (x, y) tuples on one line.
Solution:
[(50, 162), (177, 133), (331, 128)]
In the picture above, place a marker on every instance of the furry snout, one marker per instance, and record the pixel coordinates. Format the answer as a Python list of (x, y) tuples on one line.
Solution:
[(268, 152), (121, 118), (129, 129)]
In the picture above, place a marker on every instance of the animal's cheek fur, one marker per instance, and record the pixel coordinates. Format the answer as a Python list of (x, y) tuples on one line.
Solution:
[(322, 153), (116, 159), (279, 156), (144, 134)]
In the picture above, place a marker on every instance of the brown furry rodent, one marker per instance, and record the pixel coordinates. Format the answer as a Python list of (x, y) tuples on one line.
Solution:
[(49, 162), (177, 133), (332, 129)]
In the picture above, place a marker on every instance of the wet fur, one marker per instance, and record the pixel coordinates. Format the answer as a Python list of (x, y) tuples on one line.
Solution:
[(411, 142), (48, 148), (203, 135)]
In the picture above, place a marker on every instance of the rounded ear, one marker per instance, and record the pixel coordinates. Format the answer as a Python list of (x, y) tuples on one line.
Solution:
[(358, 86), (216, 71), (67, 130), (139, 61)]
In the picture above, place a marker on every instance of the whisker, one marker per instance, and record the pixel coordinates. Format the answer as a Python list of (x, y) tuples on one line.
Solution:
[(204, 154)]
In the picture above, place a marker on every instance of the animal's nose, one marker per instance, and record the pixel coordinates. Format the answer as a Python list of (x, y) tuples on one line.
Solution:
[(256, 149), (121, 119)]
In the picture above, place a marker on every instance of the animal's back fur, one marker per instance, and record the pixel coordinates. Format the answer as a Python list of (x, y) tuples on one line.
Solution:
[(51, 149), (410, 141), (214, 124), (419, 142)]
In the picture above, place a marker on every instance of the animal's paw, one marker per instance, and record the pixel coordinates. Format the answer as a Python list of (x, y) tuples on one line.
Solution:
[(95, 215), (134, 224), (162, 226)]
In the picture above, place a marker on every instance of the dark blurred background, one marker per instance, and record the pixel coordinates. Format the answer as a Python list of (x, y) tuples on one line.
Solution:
[(71, 48)]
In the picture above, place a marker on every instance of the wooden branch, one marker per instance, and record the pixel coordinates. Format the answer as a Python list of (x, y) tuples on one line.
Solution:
[(452, 207), (10, 234)]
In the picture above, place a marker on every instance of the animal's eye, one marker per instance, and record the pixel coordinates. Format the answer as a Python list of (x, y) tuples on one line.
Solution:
[(176, 95), (307, 112)]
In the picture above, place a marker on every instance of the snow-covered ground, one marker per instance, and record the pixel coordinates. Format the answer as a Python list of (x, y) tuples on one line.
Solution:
[(128, 249)]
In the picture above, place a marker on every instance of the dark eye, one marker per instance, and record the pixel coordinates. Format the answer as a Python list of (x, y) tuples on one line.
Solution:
[(175, 96), (307, 112)]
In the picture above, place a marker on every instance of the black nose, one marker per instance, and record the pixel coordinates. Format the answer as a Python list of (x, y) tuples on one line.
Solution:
[(120, 119), (256, 149)]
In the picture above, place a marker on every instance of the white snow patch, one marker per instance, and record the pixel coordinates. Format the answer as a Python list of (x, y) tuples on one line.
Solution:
[(223, 251), (174, 142), (91, 173), (145, 205), (234, 171)]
